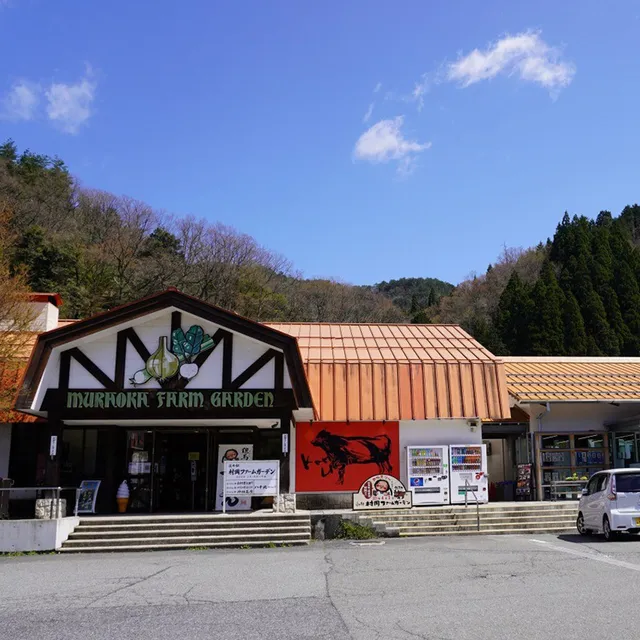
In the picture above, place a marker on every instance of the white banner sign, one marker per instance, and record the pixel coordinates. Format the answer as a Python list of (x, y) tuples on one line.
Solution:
[(254, 478), (231, 453)]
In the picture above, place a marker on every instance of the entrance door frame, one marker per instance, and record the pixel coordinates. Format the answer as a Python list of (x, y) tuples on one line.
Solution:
[(215, 436)]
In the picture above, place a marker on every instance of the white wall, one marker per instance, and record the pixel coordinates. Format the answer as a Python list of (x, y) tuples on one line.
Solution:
[(46, 316), (35, 535), (434, 432), (579, 416), (5, 448)]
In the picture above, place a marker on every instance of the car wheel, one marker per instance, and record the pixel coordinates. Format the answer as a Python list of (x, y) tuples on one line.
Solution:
[(606, 530), (582, 530)]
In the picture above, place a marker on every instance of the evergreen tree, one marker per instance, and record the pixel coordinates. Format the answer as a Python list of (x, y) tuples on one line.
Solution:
[(422, 317), (598, 327), (513, 316), (575, 337), (485, 333), (605, 341), (547, 327), (431, 300)]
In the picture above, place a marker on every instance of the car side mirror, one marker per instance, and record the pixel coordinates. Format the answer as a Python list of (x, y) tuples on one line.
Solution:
[(584, 492)]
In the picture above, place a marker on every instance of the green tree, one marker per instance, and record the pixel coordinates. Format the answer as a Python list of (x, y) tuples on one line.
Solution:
[(575, 336), (513, 316), (546, 326), (432, 300)]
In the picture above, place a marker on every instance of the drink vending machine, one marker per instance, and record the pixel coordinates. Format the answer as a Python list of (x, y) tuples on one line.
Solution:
[(468, 462), (428, 474)]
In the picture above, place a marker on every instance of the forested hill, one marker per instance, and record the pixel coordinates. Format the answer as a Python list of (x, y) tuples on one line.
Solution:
[(413, 295), (578, 294), (99, 250)]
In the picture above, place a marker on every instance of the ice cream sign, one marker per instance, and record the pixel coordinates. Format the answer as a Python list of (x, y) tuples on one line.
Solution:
[(179, 359)]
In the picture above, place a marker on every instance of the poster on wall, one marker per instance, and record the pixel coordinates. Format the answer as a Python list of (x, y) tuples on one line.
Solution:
[(230, 453), (340, 456), (382, 492)]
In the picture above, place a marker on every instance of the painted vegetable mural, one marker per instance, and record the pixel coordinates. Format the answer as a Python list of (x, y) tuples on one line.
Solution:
[(166, 362)]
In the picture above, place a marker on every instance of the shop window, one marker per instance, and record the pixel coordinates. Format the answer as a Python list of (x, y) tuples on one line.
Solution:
[(589, 441), (555, 442), (626, 450), (79, 452), (556, 458), (571, 458)]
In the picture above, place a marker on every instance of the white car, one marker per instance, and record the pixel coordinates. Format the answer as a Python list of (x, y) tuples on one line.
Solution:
[(610, 503)]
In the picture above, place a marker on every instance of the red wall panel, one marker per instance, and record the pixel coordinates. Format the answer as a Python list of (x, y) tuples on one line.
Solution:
[(340, 456)]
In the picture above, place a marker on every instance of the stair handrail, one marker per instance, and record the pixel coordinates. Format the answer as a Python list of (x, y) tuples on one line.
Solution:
[(467, 488)]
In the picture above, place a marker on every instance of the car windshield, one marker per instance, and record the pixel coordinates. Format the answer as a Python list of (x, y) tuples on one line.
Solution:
[(628, 482)]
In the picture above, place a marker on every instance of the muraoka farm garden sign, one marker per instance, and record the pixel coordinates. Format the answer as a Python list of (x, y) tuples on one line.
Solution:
[(156, 399)]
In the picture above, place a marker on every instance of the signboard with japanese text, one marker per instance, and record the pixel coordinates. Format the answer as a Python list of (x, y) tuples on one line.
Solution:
[(231, 453), (382, 492), (252, 477)]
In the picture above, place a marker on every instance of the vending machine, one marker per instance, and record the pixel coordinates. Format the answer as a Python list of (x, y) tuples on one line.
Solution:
[(468, 462), (428, 474)]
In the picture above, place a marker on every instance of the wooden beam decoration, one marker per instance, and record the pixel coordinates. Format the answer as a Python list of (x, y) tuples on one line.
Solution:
[(176, 380), (88, 364)]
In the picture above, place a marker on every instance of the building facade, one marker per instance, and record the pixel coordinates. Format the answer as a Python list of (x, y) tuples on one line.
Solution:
[(161, 391)]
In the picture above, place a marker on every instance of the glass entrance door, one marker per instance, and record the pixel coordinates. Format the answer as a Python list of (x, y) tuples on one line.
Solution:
[(139, 470), (180, 471)]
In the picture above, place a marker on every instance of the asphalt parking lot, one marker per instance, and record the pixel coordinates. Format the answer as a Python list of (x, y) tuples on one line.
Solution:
[(443, 588)]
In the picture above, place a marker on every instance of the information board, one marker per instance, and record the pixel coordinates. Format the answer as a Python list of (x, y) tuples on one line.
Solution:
[(252, 477)]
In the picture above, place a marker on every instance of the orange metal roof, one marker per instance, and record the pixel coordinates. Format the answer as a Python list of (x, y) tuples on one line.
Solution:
[(553, 379), (399, 372), (10, 375)]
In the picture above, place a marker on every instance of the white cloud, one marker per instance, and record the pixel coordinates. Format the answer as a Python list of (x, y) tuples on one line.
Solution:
[(419, 90), (377, 87), (69, 105), (21, 102), (385, 142), (367, 115), (525, 54)]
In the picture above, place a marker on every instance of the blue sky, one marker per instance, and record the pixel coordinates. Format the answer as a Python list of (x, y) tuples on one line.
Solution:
[(488, 120)]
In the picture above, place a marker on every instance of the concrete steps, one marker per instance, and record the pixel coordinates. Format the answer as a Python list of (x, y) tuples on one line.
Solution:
[(494, 520), (140, 533)]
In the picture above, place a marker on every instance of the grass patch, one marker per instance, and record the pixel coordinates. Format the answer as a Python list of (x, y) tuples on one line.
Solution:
[(19, 554), (197, 548), (349, 530)]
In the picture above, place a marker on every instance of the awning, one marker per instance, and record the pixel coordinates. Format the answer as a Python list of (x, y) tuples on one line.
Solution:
[(558, 379)]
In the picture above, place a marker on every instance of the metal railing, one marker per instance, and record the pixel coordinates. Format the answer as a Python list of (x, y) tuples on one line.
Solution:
[(467, 488), (55, 501)]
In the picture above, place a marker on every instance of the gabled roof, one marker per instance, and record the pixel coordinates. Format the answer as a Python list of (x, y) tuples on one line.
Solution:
[(573, 379), (399, 372), (156, 302)]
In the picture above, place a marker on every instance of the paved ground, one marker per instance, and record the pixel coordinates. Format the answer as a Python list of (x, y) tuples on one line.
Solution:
[(478, 588)]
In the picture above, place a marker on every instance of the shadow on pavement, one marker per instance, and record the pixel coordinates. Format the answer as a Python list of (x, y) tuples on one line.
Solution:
[(578, 539)]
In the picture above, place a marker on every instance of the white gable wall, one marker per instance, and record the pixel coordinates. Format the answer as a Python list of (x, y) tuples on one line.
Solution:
[(100, 348)]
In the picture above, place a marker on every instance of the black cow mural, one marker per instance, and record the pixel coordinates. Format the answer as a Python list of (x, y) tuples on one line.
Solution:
[(335, 454)]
